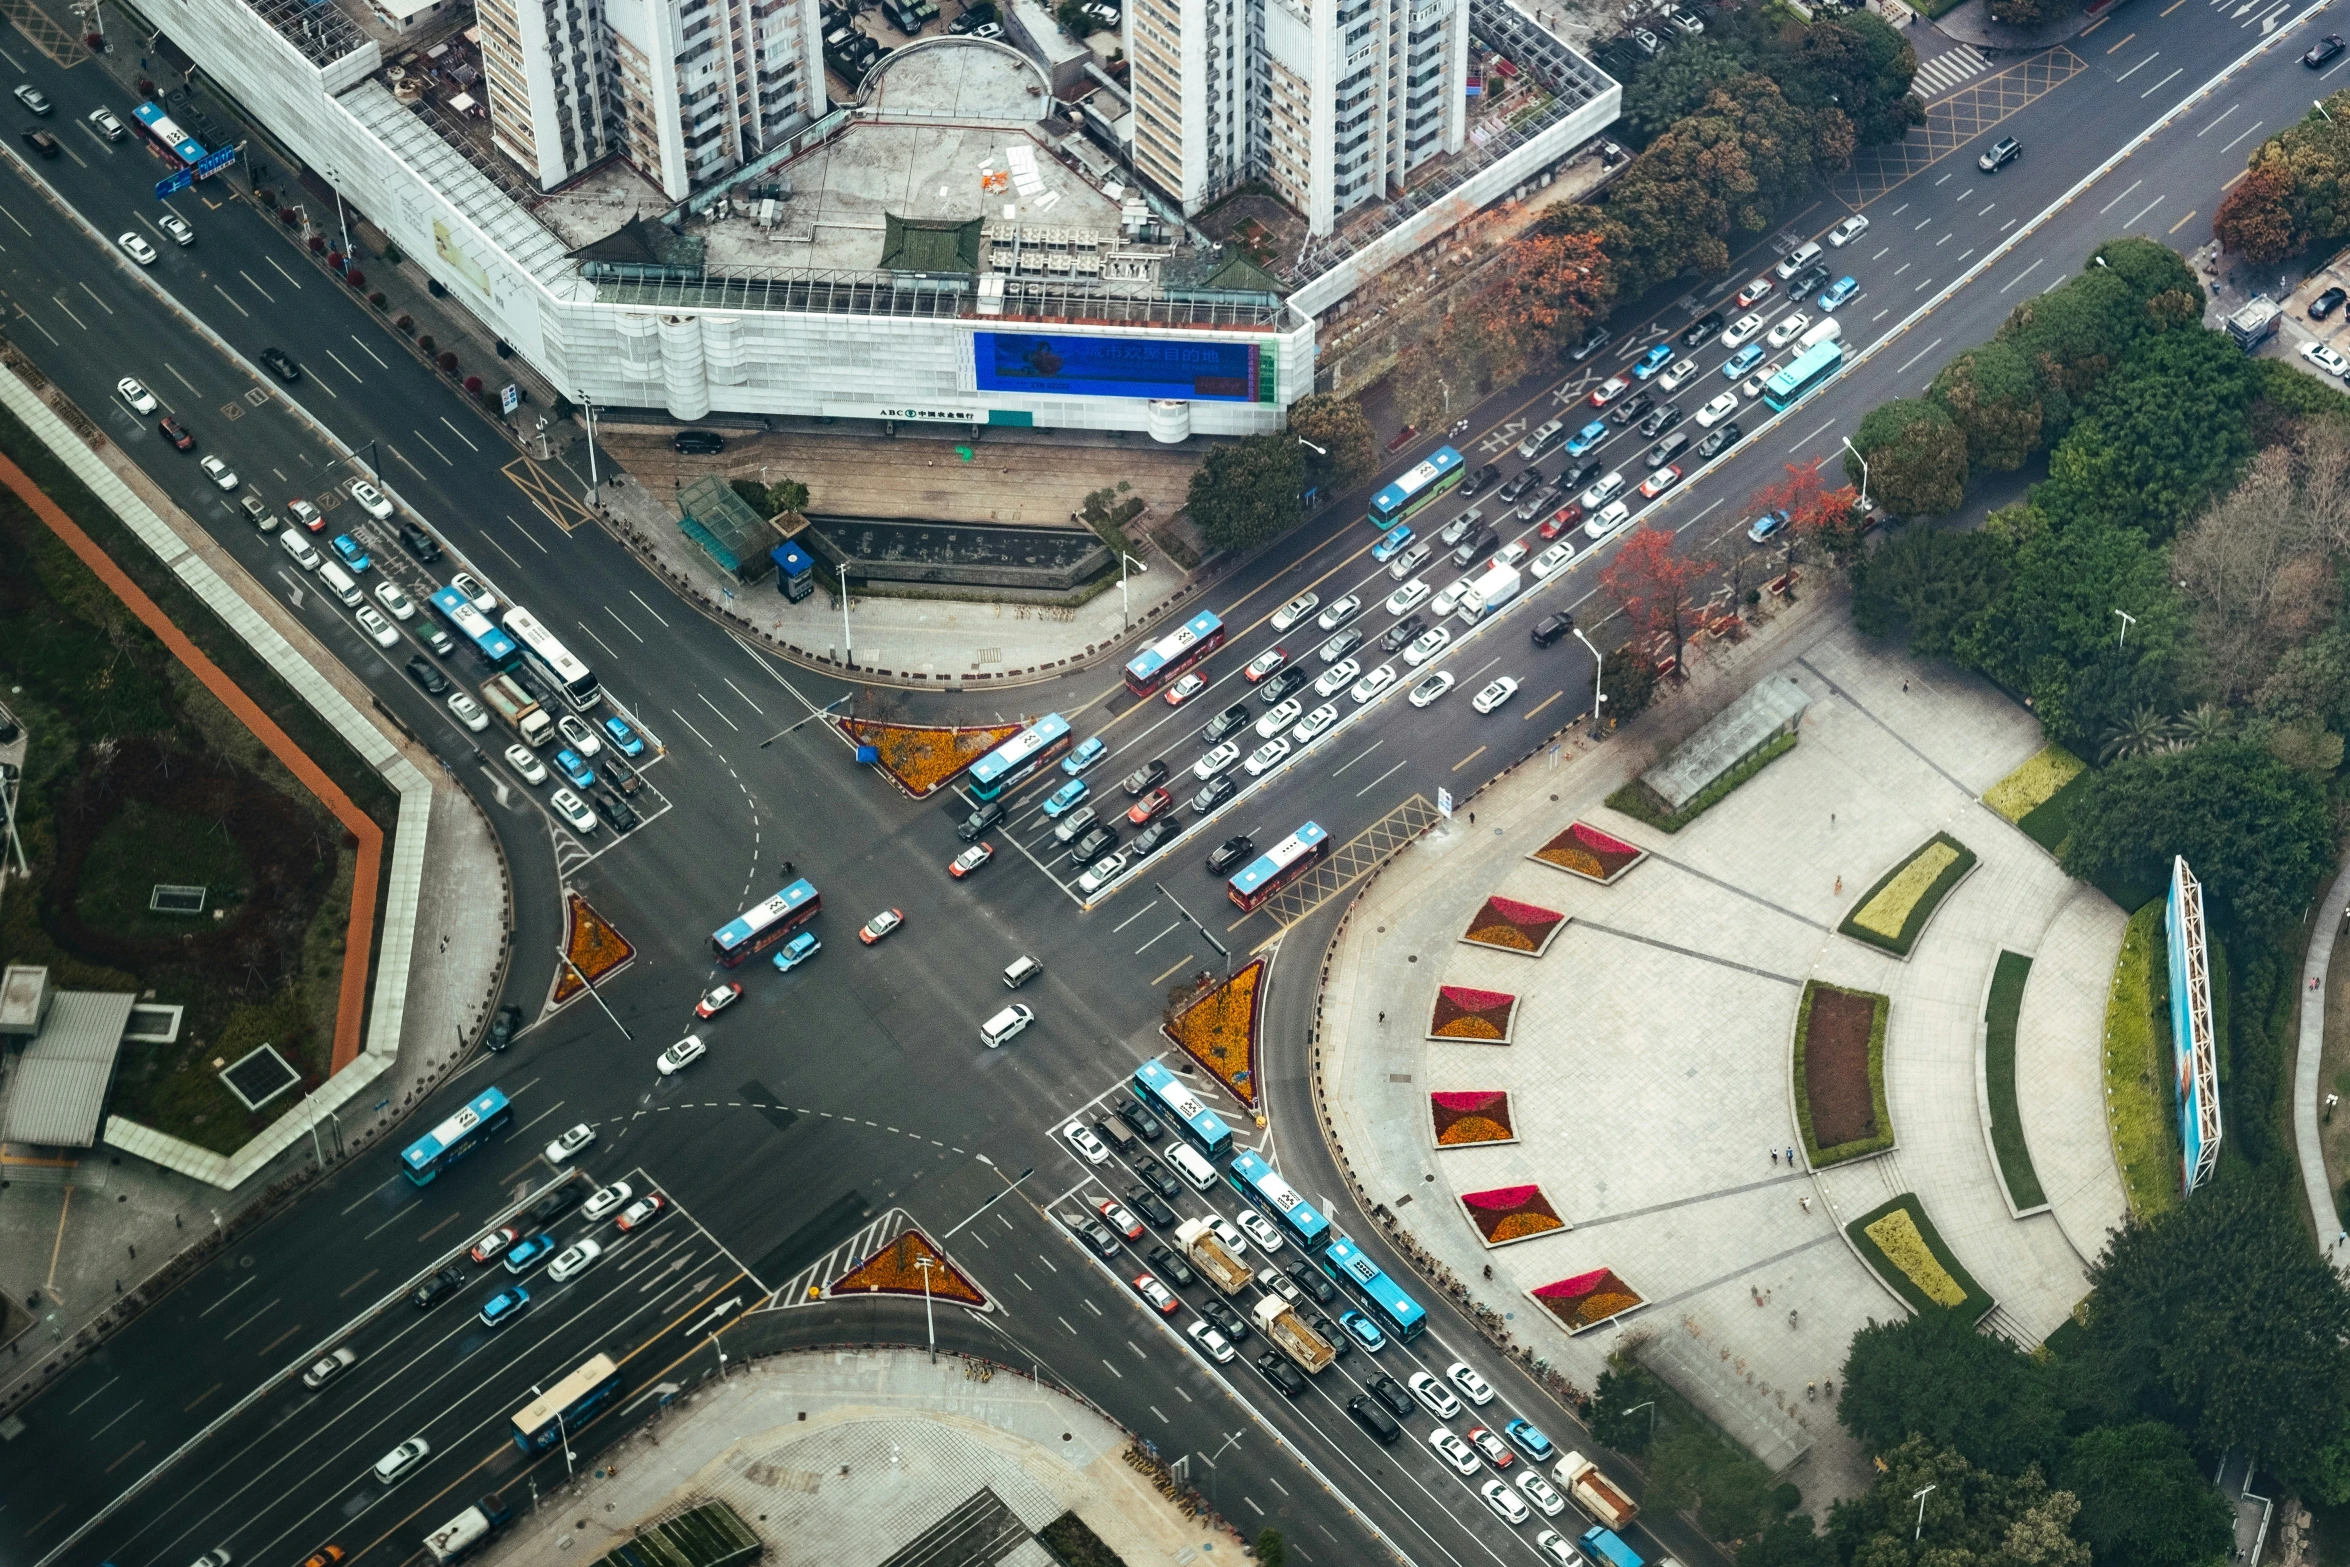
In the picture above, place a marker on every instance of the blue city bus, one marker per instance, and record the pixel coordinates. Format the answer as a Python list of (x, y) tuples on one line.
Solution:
[(168, 135), (474, 628), (1262, 1185), (1200, 1126), (1167, 658), (1422, 484), (481, 1118), (559, 1412), (1399, 1311), (1011, 763), (1278, 866), (1807, 370), (764, 924)]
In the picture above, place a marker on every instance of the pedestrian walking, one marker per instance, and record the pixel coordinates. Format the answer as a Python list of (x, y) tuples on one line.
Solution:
[(1382, 1017), (1774, 1158), (1806, 1201), (1790, 1158), (1791, 1316), (1839, 884), (1811, 1392)]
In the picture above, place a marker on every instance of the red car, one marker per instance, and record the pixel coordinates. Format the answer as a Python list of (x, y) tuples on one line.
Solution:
[(718, 1000), (487, 1248), (176, 433), (1149, 806), (1116, 1216), (970, 859), (1265, 663), (1185, 689), (1157, 1294), (1756, 292), (1562, 519), (1609, 390), (1404, 437)]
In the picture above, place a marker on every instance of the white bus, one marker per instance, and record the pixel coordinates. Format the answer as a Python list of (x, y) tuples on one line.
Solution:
[(552, 661)]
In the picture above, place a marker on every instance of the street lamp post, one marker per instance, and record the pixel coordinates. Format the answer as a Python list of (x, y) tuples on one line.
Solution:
[(1125, 614), (589, 409), (563, 1433), (1650, 1406), (2128, 620), (1920, 1499), (1598, 693), (1864, 472), (848, 652), (929, 1322)]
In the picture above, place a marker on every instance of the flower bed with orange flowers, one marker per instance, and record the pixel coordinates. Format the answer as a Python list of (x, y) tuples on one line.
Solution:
[(907, 1266), (1480, 1017), (1583, 850), (1510, 926), (1508, 1214), (1480, 1117), (1219, 1031), (1588, 1300), (595, 948), (923, 758)]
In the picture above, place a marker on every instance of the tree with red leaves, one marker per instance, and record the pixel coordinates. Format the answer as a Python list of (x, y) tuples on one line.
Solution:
[(1815, 513), (1650, 584)]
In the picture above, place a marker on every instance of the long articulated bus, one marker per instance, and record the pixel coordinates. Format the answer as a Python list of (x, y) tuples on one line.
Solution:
[(764, 924), (483, 1117), (1159, 1089), (561, 1410), (1172, 654), (1807, 370), (1010, 764), (474, 628), (1402, 1314), (553, 662), (1280, 865), (1262, 1185), (1423, 483)]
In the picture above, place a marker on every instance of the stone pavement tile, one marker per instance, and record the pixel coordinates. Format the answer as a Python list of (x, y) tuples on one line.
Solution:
[(2060, 1087)]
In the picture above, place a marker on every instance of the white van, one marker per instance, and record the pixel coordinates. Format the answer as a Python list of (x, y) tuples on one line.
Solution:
[(338, 582), (1827, 331), (1800, 257), (305, 556), (1005, 1025), (1192, 1166), (1020, 971)]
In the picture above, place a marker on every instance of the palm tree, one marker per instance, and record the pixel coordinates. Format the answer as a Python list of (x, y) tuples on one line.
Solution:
[(2207, 721), (2143, 733)]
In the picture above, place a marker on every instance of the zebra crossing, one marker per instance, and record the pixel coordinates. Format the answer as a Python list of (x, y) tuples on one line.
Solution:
[(1948, 71)]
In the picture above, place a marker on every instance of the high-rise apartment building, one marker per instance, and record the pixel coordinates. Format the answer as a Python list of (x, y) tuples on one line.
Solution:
[(1332, 102), (685, 90)]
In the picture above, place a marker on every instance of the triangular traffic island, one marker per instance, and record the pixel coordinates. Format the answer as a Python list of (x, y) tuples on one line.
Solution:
[(902, 1267), (1583, 850), (1474, 1119), (1507, 925), (1509, 1214), (922, 759), (1473, 1017), (1219, 1030), (593, 950), (1588, 1300)]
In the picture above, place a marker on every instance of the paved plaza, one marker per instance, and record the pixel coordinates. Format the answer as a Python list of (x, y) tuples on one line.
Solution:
[(1649, 1062)]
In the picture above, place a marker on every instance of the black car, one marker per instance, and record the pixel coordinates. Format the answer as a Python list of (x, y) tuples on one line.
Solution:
[(439, 1287), (424, 673), (1634, 406), (1809, 278), (1312, 1280), (1539, 501), (1092, 1231), (1146, 1125), (980, 820), (1658, 422), (1330, 1333), (1337, 647), (1402, 632), (1155, 1175), (1146, 1202), (2323, 50), (1282, 686), (1519, 484), (1225, 724), (1228, 1322), (1667, 449), (619, 774), (1577, 478), (558, 1202), (1231, 852), (1475, 545), (1214, 793), (281, 366), (700, 443), (1718, 439), (1700, 329), (1390, 1392), (419, 543), (1552, 627), (503, 1027), (1097, 842), (1172, 1268), (1376, 1422), (1144, 779), (1148, 840), (42, 142), (2328, 302), (1480, 479), (1281, 1374), (617, 811), (2003, 152)]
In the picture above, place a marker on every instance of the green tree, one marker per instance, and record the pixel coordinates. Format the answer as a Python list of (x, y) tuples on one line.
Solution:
[(1971, 1516), (1934, 1376), (1247, 493), (1993, 393), (786, 495), (2160, 437), (2151, 269), (1857, 63), (2257, 832), (1336, 424), (2144, 1500), (1916, 456), (1928, 587), (1676, 83), (2075, 334), (1790, 1542), (1270, 1551), (1622, 1389), (2032, 13)]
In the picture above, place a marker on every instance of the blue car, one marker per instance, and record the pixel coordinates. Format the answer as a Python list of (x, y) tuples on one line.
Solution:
[(529, 1254), (1839, 292), (1087, 753), (1068, 794), (504, 1306), (1392, 545), (797, 951), (1765, 525), (567, 763), (1742, 361), (1653, 361), (1587, 437), (1365, 1331), (353, 552), (1528, 1439), (625, 737)]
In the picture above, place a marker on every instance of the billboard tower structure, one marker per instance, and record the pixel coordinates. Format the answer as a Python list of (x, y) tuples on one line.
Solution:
[(2193, 1050)]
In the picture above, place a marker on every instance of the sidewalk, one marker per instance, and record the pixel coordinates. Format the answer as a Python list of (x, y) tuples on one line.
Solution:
[(2308, 1075)]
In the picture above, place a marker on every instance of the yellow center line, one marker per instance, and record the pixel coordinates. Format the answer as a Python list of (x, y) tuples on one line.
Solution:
[(2126, 37), (1546, 701), (117, 1464), (1179, 962), (2174, 5), (2093, 26), (199, 1398), (1466, 760), (2182, 223)]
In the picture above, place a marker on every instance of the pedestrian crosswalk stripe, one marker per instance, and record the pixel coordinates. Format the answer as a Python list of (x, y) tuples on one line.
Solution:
[(1946, 71)]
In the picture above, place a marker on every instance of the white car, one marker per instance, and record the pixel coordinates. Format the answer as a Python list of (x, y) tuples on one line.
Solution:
[(576, 1260), (1338, 646), (1677, 377), (1450, 599), (574, 810), (1554, 1546), (1847, 231), (1295, 610), (1715, 412), (483, 599), (1407, 597), (396, 1463), (1541, 1493), (1279, 719), (681, 1055), (1552, 559), (1225, 1233), (1507, 1504), (388, 594), (1752, 386), (610, 1199), (562, 1148), (1260, 1229), (373, 623), (306, 514), (1508, 555), (1453, 1450), (1338, 676), (578, 735), (1434, 1396), (2327, 359), (108, 125), (1789, 328), (469, 711), (520, 758), (1494, 695), (1373, 683), (1315, 724), (1609, 518), (137, 249), (1409, 561), (340, 1359), (1266, 757), (1427, 645), (371, 500), (1741, 331), (141, 400), (1430, 689), (1472, 1386), (1089, 1147), (1209, 1342), (1101, 873), (1216, 761), (1340, 613), (1602, 490), (221, 473), (177, 227)]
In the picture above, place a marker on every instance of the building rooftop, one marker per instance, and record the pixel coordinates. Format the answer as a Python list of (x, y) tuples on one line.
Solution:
[(62, 1078)]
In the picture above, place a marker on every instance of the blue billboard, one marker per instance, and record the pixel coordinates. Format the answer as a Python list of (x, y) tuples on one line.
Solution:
[(1079, 366), (2193, 1050)]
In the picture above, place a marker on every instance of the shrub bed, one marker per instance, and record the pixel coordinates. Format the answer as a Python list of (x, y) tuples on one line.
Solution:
[(1905, 1250), (1219, 1031), (2007, 1124), (2137, 1069), (1892, 914), (921, 758), (1840, 1073), (1472, 1118), (1640, 802), (1472, 1016), (1510, 926), (1507, 1214), (2032, 785)]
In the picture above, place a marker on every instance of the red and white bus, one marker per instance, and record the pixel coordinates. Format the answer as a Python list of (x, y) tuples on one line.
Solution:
[(764, 924), (1280, 865), (1167, 658)]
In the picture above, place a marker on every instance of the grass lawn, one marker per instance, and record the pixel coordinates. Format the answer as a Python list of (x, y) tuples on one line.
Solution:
[(1641, 803), (2007, 1126), (2050, 822), (1892, 914), (1892, 1252), (2138, 1109)]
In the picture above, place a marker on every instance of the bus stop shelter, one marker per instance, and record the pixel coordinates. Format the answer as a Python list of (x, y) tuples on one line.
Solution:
[(722, 523)]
